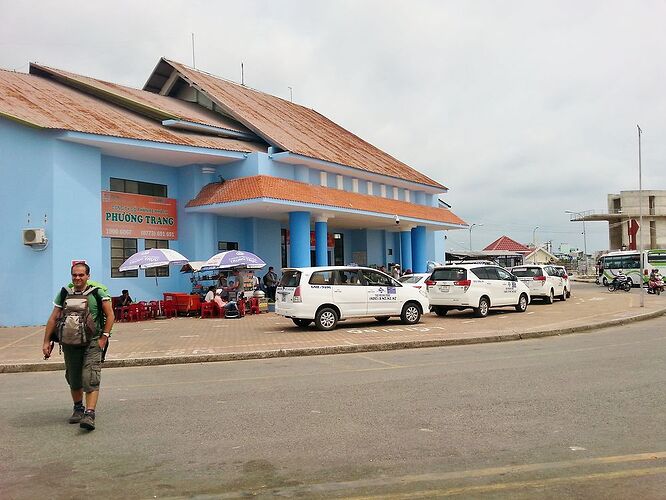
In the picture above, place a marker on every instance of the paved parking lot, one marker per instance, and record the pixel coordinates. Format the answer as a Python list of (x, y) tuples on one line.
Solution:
[(180, 340)]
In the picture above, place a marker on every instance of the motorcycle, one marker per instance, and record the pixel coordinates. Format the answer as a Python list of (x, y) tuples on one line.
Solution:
[(655, 286), (620, 282)]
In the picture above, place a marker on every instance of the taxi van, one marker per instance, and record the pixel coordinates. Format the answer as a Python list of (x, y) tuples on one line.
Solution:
[(544, 281), (327, 295), (475, 286)]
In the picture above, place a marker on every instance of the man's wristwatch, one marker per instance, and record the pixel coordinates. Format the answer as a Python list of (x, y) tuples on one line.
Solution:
[(106, 334)]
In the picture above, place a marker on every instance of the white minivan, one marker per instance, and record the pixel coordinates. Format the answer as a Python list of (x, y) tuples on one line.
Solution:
[(544, 281), (327, 295), (475, 286)]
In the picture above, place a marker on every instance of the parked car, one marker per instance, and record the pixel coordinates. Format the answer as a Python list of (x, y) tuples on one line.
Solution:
[(564, 274), (476, 286), (327, 295), (417, 281), (544, 281)]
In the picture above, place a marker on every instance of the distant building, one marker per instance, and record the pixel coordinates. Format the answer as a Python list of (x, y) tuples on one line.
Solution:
[(623, 217)]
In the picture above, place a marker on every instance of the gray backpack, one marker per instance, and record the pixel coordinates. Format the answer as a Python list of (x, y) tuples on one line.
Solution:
[(76, 325)]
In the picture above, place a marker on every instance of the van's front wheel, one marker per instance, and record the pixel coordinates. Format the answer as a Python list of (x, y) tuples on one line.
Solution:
[(326, 319)]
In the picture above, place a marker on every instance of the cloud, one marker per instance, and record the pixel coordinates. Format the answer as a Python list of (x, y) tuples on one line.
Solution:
[(523, 109)]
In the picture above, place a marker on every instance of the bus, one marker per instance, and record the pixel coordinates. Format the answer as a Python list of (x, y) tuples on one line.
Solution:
[(627, 261)]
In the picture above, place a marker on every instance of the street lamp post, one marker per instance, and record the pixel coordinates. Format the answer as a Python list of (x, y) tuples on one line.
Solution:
[(640, 217), (534, 244), (470, 234), (577, 214)]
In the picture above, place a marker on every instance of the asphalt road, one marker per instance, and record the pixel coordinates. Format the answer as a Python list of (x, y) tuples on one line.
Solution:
[(579, 416)]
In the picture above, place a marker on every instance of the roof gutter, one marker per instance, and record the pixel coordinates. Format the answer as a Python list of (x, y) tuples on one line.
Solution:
[(209, 130)]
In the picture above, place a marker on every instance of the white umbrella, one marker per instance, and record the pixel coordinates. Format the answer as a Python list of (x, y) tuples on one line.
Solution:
[(234, 259), (154, 257)]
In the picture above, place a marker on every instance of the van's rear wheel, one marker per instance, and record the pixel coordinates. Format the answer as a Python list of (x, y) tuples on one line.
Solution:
[(301, 323), (411, 314), (550, 298), (563, 297), (483, 309), (382, 319), (326, 319), (440, 310)]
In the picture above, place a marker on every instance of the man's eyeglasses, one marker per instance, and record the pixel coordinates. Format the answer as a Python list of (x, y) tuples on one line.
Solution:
[(77, 275)]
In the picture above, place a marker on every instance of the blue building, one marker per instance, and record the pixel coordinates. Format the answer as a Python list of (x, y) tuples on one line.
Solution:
[(95, 171)]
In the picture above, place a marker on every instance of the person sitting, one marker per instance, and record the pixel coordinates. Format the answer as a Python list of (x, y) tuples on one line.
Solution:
[(125, 298), (210, 295), (223, 304)]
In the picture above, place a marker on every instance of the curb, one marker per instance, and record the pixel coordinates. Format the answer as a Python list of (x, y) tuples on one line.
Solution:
[(341, 349)]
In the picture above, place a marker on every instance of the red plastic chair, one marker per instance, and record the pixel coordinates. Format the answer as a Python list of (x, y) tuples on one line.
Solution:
[(253, 305), (123, 313), (209, 310), (169, 308), (135, 312)]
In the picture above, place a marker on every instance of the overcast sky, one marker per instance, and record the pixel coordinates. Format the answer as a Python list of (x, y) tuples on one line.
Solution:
[(523, 109)]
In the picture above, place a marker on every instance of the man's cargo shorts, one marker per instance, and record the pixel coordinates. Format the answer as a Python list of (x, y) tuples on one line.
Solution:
[(83, 366)]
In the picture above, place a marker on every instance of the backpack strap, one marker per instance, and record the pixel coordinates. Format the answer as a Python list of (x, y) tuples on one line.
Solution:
[(64, 292)]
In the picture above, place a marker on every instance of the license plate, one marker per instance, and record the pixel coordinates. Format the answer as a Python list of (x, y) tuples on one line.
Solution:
[(443, 288)]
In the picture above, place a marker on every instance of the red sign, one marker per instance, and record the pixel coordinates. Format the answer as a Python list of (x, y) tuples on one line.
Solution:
[(330, 241), (126, 215)]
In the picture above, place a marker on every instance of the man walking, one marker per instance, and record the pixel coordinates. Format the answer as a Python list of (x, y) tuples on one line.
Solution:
[(271, 281), (82, 317)]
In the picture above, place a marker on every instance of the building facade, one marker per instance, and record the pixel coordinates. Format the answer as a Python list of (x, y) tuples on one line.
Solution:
[(96, 171)]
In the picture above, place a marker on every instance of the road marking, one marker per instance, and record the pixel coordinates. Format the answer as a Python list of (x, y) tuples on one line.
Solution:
[(188, 336), (392, 365), (519, 485), (488, 472), (577, 448)]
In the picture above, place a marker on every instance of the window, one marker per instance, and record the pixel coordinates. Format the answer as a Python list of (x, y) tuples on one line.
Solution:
[(449, 274), (291, 278), (527, 272), (483, 274), (137, 187), (121, 250), (283, 247), (223, 246), (503, 275), (347, 277), (322, 278), (374, 278), (162, 271)]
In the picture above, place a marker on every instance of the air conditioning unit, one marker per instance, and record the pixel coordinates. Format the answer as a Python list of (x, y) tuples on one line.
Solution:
[(35, 236)]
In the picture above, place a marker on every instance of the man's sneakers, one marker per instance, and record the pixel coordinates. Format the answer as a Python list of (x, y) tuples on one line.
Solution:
[(77, 415), (88, 420)]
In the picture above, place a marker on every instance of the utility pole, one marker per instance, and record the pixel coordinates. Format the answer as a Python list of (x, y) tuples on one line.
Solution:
[(640, 218)]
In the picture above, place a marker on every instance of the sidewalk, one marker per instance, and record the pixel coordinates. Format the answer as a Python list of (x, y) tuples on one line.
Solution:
[(193, 340)]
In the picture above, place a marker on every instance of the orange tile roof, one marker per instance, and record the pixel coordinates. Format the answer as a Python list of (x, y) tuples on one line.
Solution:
[(506, 243), (263, 186), (45, 103), (296, 128), (148, 103)]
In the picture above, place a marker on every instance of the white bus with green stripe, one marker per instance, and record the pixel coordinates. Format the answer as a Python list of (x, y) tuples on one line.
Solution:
[(628, 262)]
